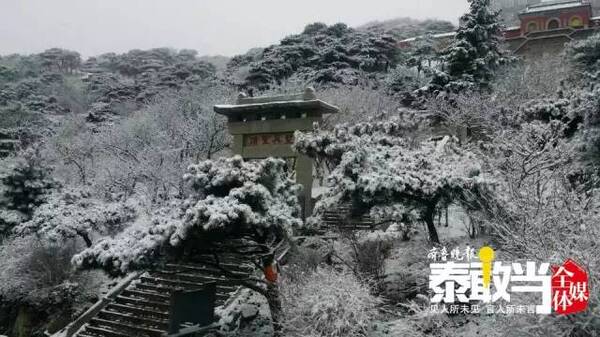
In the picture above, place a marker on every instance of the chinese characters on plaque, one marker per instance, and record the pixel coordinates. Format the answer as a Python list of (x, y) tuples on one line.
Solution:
[(269, 139)]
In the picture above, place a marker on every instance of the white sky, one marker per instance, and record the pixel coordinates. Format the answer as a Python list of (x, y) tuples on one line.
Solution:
[(225, 27)]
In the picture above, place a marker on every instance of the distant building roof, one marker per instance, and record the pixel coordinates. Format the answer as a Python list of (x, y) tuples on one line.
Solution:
[(435, 36), (554, 5)]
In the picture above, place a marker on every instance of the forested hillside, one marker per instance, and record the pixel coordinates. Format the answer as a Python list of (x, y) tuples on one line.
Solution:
[(330, 54)]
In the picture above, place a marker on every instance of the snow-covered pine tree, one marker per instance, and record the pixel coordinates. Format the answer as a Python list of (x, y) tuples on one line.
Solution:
[(584, 56), (476, 52), (583, 91), (26, 185), (374, 167)]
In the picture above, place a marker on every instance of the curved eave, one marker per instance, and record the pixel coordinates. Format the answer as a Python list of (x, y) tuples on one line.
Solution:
[(284, 106)]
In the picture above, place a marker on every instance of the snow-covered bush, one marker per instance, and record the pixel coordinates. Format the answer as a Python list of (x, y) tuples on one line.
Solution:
[(327, 303), (470, 114), (39, 290), (523, 81), (404, 78), (584, 55), (358, 103), (370, 252), (31, 270), (307, 256), (74, 214), (546, 110)]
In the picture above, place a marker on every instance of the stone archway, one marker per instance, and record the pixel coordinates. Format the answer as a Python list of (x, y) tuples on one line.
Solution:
[(532, 27), (575, 22), (553, 23)]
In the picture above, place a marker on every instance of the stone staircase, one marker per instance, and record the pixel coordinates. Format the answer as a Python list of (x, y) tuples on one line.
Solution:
[(339, 218), (143, 307)]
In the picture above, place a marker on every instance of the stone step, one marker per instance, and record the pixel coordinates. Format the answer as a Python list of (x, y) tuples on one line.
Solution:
[(128, 329), (342, 217), (159, 289), (140, 312), (153, 323), (348, 224), (197, 278), (102, 332), (161, 306), (194, 269), (191, 277), (172, 282), (151, 296), (221, 296)]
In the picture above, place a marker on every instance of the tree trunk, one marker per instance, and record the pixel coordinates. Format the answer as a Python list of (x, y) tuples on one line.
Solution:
[(23, 323), (428, 216), (86, 238), (275, 307), (446, 216)]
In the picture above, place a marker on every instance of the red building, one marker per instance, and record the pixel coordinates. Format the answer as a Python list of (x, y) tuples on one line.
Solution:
[(546, 27)]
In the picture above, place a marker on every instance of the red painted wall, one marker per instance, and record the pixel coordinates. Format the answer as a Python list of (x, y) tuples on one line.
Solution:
[(510, 33)]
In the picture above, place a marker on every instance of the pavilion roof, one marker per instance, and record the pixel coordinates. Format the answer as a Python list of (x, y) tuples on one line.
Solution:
[(303, 102)]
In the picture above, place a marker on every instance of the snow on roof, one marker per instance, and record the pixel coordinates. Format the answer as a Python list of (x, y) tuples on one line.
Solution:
[(513, 28), (435, 36), (445, 34), (549, 6), (306, 101), (287, 106)]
